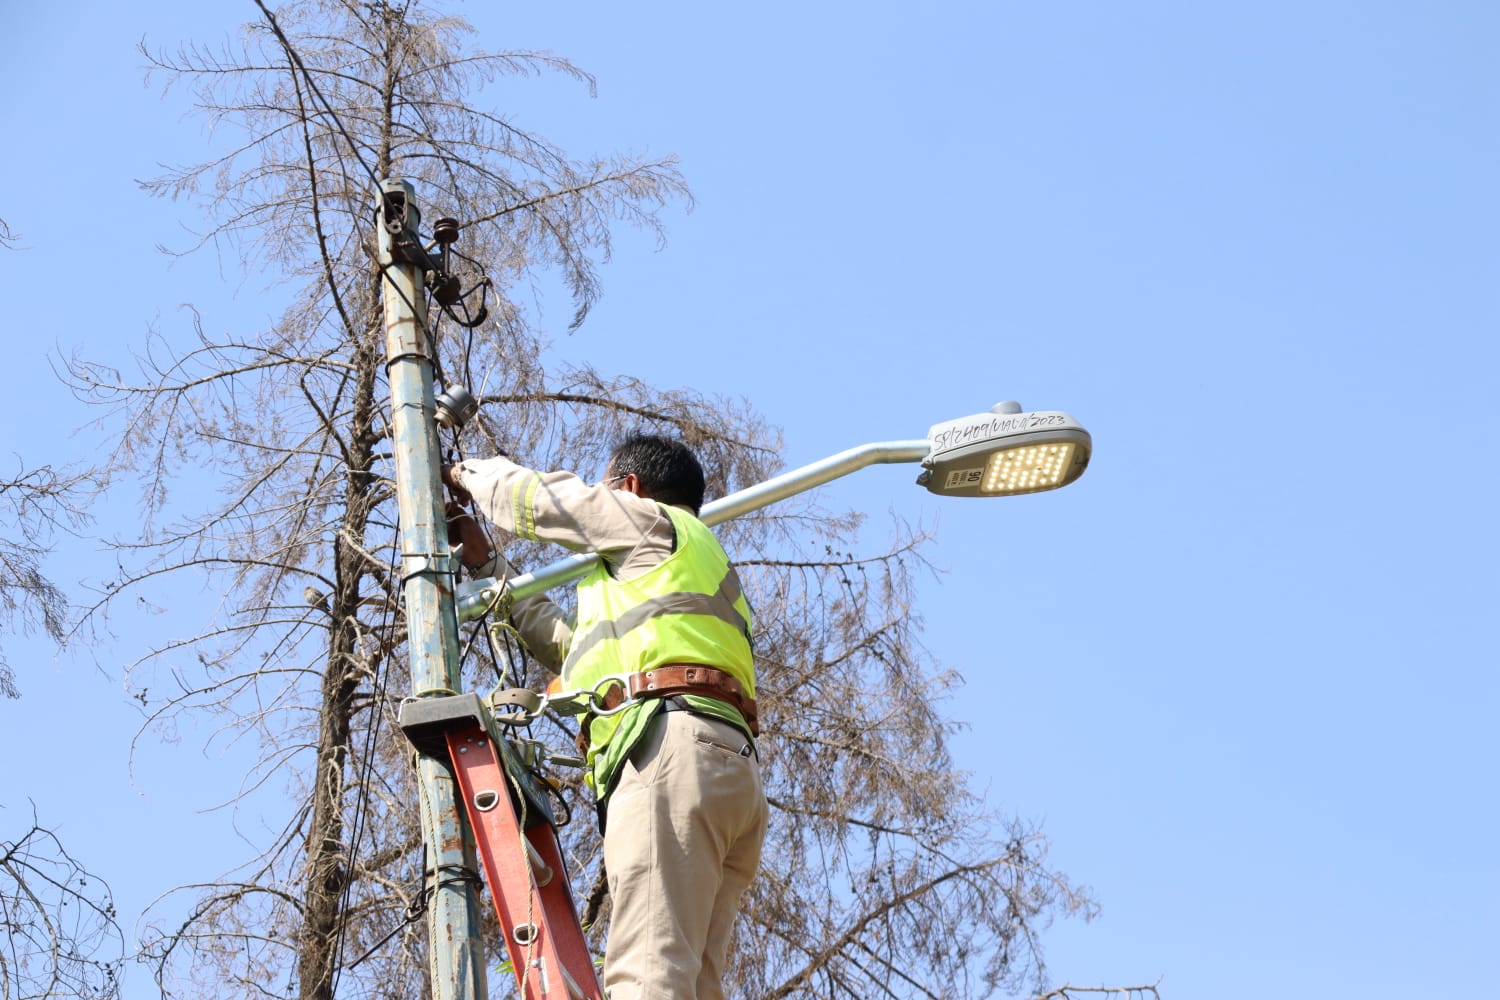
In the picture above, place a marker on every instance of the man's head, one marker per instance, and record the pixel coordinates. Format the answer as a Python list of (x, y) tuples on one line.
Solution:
[(665, 469)]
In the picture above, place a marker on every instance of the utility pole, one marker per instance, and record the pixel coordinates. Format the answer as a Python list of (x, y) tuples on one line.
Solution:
[(427, 575)]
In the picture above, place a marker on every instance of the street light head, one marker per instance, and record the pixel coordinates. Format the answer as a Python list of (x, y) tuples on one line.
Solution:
[(1004, 453)]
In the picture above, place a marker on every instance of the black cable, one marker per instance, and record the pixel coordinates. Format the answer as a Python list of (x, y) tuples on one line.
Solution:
[(468, 370), (361, 805), (419, 906)]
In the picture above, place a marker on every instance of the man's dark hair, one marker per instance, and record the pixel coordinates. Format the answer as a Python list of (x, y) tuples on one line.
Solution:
[(667, 468)]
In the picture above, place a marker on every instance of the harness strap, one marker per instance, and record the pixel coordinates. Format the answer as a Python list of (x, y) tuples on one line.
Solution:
[(672, 679)]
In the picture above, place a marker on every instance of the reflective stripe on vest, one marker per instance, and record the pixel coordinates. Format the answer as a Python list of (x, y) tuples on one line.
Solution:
[(720, 605), (691, 601)]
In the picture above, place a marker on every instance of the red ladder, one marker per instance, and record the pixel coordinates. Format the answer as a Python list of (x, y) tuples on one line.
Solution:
[(511, 816)]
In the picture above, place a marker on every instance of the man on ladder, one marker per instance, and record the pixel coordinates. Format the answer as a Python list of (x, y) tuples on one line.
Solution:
[(663, 631)]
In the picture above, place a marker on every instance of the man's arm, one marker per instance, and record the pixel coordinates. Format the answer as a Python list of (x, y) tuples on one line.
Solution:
[(631, 533)]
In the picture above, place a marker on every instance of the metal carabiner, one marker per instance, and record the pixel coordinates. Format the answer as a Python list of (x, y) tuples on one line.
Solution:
[(601, 689), (589, 701)]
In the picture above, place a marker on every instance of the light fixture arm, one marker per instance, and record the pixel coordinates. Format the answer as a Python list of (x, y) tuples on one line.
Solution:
[(734, 505), (808, 477)]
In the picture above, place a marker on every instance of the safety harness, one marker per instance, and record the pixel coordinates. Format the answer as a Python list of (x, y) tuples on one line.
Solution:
[(667, 681)]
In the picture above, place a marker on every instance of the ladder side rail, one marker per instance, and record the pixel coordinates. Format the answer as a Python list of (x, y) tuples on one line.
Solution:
[(537, 915)]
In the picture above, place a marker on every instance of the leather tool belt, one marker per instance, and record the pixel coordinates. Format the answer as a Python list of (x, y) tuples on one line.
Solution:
[(672, 679)]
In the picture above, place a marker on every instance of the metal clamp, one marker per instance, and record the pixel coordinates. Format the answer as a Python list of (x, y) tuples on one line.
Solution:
[(477, 598), (515, 706), (436, 563)]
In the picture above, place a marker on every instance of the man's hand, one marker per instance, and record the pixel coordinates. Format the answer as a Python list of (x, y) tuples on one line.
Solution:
[(456, 489)]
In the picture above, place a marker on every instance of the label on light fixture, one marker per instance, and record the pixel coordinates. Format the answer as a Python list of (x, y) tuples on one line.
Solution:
[(965, 430), (959, 478)]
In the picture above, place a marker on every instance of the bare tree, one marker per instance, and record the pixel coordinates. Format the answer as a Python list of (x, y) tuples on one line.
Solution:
[(60, 936), (39, 502), (1119, 992), (892, 878)]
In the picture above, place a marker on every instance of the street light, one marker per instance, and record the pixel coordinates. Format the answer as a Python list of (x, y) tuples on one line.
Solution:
[(1003, 452)]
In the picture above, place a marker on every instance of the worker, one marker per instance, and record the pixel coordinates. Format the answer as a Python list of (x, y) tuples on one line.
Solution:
[(676, 772)]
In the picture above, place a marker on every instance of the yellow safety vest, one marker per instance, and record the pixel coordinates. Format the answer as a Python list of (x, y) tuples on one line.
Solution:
[(687, 609)]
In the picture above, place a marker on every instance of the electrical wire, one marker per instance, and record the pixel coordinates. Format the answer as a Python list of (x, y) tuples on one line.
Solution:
[(362, 786)]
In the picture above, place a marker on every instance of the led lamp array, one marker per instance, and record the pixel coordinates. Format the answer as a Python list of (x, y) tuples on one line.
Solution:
[(1027, 469)]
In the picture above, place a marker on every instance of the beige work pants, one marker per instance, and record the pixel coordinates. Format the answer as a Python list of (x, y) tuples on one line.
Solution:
[(682, 842)]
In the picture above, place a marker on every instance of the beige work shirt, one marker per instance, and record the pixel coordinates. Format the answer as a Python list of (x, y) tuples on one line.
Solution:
[(631, 534)]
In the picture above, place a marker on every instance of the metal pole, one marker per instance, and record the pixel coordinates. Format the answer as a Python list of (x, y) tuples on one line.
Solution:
[(457, 953)]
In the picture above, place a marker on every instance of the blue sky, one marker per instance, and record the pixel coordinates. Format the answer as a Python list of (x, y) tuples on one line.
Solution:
[(1238, 671)]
